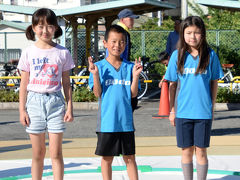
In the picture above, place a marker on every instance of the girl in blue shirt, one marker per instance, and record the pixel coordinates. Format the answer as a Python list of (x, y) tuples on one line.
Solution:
[(193, 72)]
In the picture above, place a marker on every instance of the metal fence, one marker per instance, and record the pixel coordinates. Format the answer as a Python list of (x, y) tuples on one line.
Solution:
[(226, 44), (144, 43)]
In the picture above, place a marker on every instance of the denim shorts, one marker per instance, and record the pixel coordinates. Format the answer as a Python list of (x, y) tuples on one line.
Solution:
[(193, 132), (46, 112)]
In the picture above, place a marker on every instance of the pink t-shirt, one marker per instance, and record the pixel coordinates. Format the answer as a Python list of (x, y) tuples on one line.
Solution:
[(45, 67)]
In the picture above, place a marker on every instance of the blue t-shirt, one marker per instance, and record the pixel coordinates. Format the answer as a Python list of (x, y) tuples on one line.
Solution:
[(115, 110), (194, 92)]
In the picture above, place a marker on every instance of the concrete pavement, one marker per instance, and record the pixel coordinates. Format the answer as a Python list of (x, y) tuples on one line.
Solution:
[(145, 146), (155, 141)]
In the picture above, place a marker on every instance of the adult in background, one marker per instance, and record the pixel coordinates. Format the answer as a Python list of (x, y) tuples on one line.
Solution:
[(173, 38), (126, 21)]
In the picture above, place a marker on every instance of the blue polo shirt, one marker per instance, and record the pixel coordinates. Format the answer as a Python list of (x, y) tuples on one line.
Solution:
[(194, 92), (115, 110)]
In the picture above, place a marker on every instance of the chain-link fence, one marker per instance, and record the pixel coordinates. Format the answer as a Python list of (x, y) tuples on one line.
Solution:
[(144, 43), (150, 43)]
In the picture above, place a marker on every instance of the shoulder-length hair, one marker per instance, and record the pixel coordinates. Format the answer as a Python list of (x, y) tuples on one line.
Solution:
[(203, 47), (39, 16)]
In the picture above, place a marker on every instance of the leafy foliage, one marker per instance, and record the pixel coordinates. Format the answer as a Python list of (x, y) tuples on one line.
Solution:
[(152, 24), (83, 94), (9, 96), (224, 95), (217, 18)]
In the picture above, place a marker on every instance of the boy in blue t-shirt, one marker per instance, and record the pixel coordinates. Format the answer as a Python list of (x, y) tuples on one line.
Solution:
[(115, 81)]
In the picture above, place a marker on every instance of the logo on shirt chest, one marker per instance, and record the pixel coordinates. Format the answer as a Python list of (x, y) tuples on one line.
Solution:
[(109, 82), (191, 71)]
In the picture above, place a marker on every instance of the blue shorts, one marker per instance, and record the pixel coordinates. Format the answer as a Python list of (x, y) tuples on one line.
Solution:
[(193, 132), (46, 112)]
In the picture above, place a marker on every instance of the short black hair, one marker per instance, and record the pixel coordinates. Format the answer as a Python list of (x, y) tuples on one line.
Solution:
[(115, 28), (163, 56)]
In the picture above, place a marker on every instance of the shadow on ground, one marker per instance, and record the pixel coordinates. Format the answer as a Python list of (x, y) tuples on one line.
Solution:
[(21, 147), (225, 131)]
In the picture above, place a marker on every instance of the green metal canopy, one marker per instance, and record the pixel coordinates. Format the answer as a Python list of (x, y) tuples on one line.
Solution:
[(93, 12), (99, 9), (17, 25), (232, 5)]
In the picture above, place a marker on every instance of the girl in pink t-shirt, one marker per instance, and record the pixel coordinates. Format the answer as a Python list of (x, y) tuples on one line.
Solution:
[(44, 70)]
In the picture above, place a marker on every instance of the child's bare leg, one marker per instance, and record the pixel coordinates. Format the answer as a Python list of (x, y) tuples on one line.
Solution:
[(106, 166), (131, 166), (38, 154), (55, 149)]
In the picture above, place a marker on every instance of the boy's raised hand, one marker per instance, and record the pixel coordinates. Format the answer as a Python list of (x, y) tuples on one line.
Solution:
[(137, 69), (92, 67)]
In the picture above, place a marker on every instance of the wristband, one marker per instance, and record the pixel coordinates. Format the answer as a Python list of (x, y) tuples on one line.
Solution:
[(172, 112)]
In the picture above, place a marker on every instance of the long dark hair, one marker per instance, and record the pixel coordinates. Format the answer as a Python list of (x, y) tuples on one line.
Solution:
[(203, 47), (40, 16)]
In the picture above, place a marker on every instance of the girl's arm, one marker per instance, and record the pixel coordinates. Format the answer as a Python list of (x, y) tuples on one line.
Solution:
[(68, 95), (214, 87), (137, 69), (24, 119), (172, 93), (97, 89)]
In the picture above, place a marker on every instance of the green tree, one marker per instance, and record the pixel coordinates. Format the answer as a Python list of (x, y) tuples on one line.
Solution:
[(217, 18), (152, 24)]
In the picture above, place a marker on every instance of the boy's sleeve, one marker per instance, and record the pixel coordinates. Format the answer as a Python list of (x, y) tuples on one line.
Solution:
[(216, 68), (106, 53), (171, 73), (90, 81)]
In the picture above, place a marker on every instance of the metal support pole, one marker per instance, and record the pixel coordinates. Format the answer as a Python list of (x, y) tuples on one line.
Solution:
[(62, 24), (5, 48), (95, 26), (143, 43), (184, 9)]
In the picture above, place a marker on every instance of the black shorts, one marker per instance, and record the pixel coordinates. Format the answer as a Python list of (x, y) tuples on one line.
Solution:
[(114, 144)]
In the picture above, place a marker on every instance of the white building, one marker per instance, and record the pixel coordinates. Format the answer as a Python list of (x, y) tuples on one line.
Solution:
[(52, 4)]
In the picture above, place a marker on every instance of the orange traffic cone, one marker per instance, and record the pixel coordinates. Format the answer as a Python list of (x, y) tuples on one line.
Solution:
[(164, 108)]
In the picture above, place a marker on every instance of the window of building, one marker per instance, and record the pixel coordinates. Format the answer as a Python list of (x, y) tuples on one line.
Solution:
[(14, 2)]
